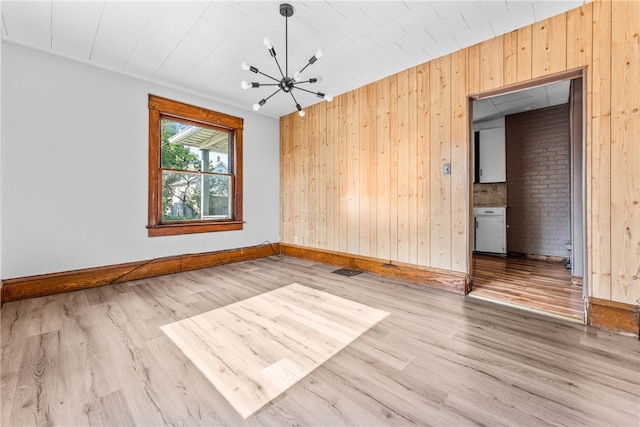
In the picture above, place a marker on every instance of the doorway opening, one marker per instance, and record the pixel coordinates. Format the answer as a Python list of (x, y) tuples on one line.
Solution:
[(528, 174)]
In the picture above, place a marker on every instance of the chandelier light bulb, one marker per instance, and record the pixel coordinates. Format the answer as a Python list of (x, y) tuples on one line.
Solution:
[(245, 66), (259, 104), (328, 98), (301, 113), (319, 54), (267, 43), (245, 84), (297, 77)]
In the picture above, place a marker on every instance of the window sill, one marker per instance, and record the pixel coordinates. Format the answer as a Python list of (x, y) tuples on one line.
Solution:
[(177, 229)]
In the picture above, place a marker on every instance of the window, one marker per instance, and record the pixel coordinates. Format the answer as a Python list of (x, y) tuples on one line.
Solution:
[(195, 169)]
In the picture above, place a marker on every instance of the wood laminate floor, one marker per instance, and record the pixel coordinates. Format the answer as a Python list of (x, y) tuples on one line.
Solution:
[(528, 283), (99, 357), (255, 349)]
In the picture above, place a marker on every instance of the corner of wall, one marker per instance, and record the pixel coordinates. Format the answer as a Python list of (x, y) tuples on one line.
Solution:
[(1, 82)]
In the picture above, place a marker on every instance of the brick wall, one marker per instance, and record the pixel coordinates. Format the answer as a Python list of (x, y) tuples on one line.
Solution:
[(538, 181)]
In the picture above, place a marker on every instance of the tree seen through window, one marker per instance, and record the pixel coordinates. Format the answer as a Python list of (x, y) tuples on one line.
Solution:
[(195, 172)]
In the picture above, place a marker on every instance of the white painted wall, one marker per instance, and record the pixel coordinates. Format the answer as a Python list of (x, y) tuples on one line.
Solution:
[(1, 98), (74, 167)]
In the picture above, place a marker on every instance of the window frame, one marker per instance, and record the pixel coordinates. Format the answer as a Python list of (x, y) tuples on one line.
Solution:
[(160, 108)]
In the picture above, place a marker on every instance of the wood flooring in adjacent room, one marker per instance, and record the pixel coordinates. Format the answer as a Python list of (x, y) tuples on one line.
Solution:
[(528, 283), (99, 357)]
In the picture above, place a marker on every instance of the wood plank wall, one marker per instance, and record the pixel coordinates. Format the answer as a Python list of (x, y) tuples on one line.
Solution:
[(363, 174)]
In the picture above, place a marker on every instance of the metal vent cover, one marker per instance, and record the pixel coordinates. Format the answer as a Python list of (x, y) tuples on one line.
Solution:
[(347, 272)]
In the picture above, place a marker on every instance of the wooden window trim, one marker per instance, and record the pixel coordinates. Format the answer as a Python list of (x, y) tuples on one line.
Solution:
[(159, 107)]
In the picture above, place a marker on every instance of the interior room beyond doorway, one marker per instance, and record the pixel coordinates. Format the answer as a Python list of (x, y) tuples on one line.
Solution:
[(527, 199)]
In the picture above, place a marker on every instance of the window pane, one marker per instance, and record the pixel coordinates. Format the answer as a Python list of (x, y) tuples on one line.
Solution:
[(218, 188), (194, 148), (181, 194)]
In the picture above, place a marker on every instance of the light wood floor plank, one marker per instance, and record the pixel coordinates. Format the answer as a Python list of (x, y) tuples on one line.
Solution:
[(99, 357), (255, 349), (530, 283)]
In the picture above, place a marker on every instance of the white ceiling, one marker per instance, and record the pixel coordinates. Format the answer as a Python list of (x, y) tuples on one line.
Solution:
[(198, 46), (523, 100)]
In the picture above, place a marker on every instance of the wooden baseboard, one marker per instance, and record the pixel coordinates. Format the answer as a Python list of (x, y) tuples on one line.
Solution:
[(613, 316), (55, 283), (435, 278), (538, 257)]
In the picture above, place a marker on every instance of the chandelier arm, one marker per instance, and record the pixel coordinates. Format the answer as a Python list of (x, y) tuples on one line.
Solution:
[(304, 68), (279, 67), (267, 98), (294, 98), (269, 84), (306, 90), (267, 75), (319, 54)]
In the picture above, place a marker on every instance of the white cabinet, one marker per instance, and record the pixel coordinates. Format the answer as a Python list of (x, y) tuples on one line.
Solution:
[(490, 230), (491, 155)]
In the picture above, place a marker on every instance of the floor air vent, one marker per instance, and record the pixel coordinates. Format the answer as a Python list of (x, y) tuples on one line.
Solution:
[(347, 272)]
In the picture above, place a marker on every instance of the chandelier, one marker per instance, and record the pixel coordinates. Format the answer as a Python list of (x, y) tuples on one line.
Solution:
[(285, 84)]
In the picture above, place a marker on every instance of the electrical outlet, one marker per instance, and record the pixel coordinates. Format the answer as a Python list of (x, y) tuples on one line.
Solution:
[(446, 169), (568, 246), (295, 240)]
